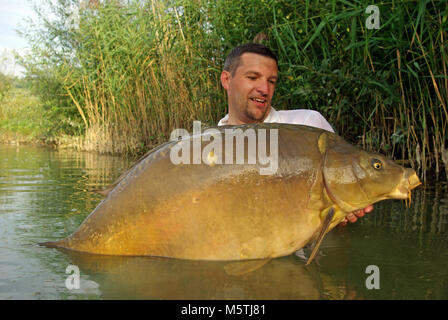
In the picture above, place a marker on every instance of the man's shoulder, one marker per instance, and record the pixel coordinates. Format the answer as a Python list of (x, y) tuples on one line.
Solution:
[(296, 113), (299, 116), (306, 117)]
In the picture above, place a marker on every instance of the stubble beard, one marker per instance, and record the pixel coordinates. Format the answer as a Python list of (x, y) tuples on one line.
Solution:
[(253, 117)]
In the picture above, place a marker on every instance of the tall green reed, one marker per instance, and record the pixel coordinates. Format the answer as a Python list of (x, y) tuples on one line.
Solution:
[(385, 89), (135, 70), (141, 75)]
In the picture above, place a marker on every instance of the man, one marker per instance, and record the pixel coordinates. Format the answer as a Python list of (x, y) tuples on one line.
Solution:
[(249, 77)]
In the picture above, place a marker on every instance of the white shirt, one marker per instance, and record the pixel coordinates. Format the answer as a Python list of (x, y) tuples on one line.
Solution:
[(305, 117)]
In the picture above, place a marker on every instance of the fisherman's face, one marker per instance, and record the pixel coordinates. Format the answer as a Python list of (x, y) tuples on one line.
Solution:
[(250, 88)]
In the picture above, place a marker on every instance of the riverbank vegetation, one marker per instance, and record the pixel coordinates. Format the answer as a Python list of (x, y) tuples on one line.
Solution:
[(21, 115), (124, 74)]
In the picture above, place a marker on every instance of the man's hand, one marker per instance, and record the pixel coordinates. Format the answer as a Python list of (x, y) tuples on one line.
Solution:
[(352, 217)]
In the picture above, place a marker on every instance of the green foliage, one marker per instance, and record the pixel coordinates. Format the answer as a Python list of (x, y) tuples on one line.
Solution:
[(22, 115), (129, 72), (49, 62), (5, 86)]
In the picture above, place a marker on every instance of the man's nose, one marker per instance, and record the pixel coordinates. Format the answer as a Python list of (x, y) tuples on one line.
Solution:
[(263, 87)]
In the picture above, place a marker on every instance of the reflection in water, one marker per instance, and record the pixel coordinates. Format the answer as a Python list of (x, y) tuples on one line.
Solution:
[(409, 245), (161, 278), (44, 196), (426, 215)]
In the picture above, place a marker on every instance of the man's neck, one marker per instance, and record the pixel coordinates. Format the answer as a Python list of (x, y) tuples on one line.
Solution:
[(233, 120), (236, 122)]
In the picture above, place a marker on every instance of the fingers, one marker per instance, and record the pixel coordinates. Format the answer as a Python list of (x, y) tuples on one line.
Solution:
[(343, 223), (359, 213), (352, 218)]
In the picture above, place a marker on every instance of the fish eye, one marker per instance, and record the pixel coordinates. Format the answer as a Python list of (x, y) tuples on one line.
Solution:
[(377, 164)]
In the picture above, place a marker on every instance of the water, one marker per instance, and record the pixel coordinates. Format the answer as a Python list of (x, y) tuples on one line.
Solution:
[(44, 196)]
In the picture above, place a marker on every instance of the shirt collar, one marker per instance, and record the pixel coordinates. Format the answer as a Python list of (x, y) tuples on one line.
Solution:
[(272, 117)]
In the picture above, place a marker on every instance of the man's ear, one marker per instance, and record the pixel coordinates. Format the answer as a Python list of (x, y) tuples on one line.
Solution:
[(225, 79)]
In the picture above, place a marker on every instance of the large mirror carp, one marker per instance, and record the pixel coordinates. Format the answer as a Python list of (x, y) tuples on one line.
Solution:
[(217, 208)]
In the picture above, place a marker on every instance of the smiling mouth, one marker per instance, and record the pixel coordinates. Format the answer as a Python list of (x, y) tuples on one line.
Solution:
[(260, 102)]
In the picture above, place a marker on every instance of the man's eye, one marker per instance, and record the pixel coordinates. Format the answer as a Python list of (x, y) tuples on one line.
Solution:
[(252, 78), (272, 81)]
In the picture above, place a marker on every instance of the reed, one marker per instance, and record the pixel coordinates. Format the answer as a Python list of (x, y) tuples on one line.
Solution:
[(135, 70), (385, 89), (139, 77)]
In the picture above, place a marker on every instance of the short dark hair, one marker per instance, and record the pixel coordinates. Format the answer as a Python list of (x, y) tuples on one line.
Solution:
[(233, 59)]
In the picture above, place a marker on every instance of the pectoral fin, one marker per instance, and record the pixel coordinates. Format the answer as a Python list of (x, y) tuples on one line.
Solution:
[(322, 233), (242, 267)]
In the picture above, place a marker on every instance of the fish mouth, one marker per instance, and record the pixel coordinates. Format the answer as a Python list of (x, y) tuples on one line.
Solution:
[(403, 191)]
